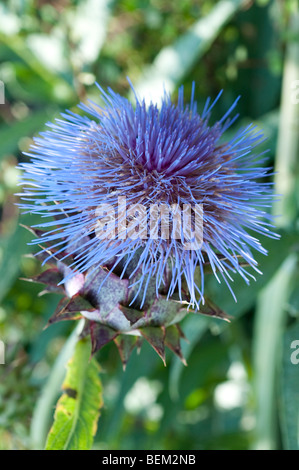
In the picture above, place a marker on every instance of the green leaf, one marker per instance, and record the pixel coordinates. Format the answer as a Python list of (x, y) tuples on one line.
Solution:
[(78, 409), (175, 61), (278, 251), (289, 415), (12, 248), (287, 162), (269, 323), (59, 88), (10, 135), (194, 327), (43, 410)]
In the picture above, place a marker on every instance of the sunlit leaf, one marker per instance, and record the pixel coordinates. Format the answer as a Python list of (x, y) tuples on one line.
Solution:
[(43, 410), (78, 409)]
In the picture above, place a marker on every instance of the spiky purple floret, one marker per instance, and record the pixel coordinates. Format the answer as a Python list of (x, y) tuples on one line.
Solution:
[(150, 155)]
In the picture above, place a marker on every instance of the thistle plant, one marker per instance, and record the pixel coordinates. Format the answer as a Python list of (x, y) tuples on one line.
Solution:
[(140, 203)]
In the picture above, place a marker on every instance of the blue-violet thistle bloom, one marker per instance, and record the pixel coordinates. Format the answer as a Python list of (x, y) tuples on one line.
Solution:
[(95, 176)]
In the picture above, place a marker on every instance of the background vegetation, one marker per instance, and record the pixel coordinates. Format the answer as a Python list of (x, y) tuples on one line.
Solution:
[(240, 389)]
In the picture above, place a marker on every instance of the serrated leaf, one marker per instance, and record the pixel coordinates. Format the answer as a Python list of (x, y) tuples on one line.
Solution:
[(43, 411), (78, 409)]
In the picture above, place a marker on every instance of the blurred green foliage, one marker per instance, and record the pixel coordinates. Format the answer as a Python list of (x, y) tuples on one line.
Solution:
[(50, 55)]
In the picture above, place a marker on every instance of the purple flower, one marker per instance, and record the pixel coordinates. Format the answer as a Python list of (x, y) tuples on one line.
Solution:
[(99, 180)]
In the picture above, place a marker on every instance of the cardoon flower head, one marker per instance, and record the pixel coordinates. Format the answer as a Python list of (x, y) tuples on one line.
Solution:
[(138, 198)]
